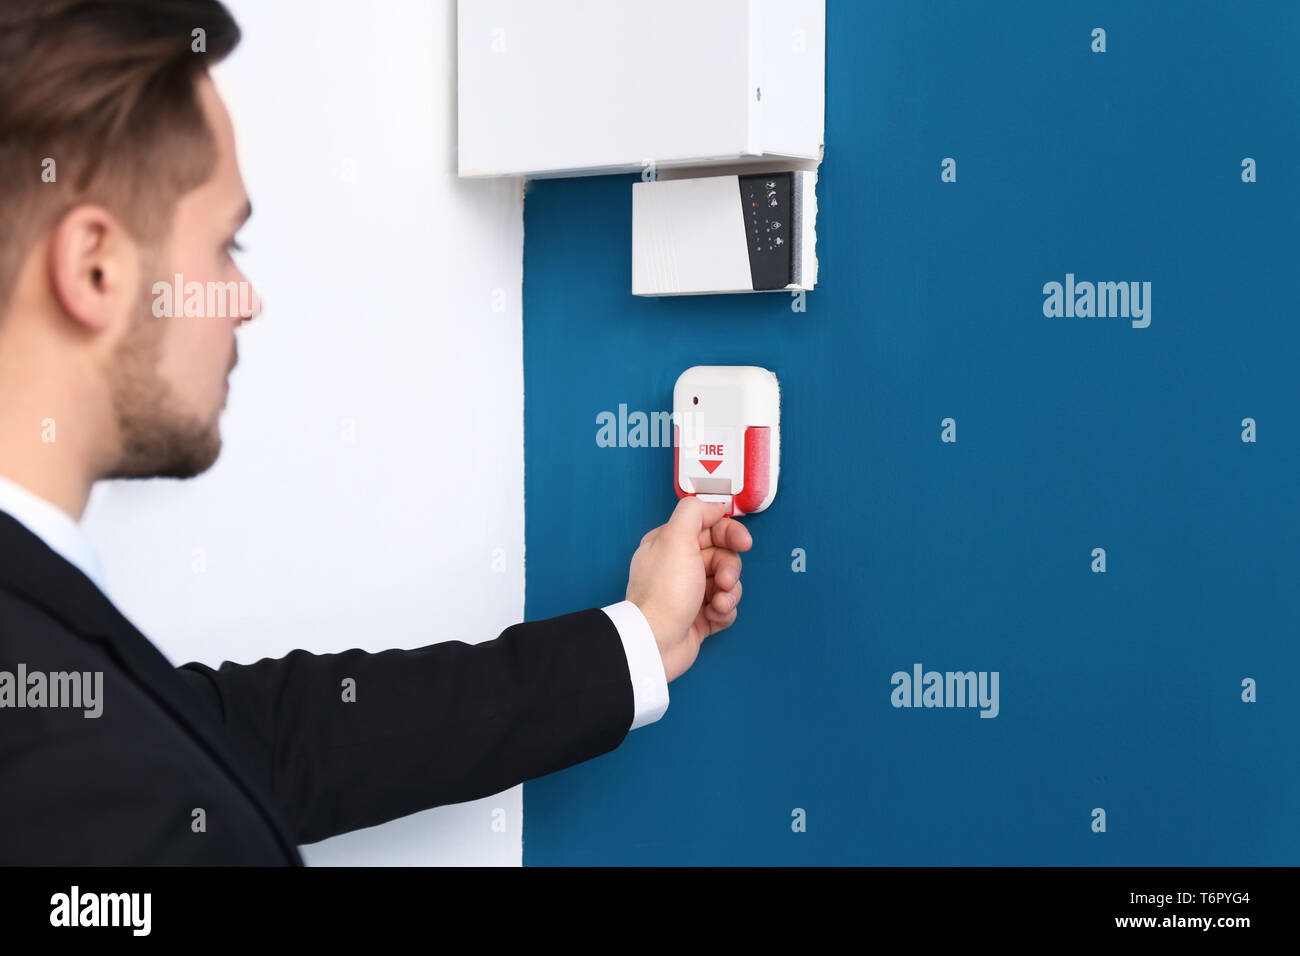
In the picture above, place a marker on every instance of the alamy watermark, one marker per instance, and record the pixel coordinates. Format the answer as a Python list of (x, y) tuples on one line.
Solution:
[(948, 689), (639, 429), (1102, 300), (78, 689), (200, 300), (75, 908)]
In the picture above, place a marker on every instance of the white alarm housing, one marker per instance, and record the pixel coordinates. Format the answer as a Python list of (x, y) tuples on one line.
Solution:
[(579, 88), (727, 436)]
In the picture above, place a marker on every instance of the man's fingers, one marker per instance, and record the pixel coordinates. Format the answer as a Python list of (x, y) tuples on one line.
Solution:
[(709, 522), (727, 533), (719, 612), (725, 600), (718, 619), (722, 565)]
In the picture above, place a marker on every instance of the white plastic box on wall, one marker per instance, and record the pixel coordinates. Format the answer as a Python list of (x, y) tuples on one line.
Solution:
[(743, 233), (570, 88)]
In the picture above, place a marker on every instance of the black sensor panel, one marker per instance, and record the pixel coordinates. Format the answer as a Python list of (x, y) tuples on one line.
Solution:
[(767, 204)]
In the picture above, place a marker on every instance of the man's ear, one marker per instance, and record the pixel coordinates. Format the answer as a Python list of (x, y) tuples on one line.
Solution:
[(93, 264)]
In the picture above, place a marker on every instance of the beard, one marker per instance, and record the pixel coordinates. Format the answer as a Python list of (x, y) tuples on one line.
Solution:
[(158, 438)]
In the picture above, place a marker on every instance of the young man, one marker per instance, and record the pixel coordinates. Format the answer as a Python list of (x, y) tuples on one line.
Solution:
[(109, 754)]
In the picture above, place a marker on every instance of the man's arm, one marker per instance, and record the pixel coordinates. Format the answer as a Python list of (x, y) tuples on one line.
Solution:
[(440, 724), (452, 721)]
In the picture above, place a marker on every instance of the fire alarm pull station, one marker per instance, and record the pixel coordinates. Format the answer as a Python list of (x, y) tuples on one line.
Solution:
[(727, 435)]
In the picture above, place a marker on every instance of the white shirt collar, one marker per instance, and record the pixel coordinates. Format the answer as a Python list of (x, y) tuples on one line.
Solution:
[(53, 526)]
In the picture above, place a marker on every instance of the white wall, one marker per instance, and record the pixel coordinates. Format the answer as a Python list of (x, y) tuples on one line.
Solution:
[(378, 267)]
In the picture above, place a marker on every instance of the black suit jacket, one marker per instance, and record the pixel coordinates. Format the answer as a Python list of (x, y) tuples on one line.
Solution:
[(270, 752)]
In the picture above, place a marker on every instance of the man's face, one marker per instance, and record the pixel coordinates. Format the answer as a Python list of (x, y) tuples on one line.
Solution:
[(169, 375)]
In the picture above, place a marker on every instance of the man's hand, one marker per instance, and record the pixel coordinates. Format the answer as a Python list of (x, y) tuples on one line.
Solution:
[(685, 578)]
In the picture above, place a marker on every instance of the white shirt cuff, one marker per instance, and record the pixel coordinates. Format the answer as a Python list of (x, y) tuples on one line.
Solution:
[(644, 663)]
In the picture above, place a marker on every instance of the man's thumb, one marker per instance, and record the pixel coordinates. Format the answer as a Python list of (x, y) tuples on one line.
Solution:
[(691, 516)]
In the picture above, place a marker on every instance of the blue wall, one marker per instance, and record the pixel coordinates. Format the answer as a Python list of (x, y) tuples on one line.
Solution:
[(1119, 690)]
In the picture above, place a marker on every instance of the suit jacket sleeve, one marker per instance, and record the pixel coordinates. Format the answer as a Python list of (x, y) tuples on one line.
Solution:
[(440, 724)]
